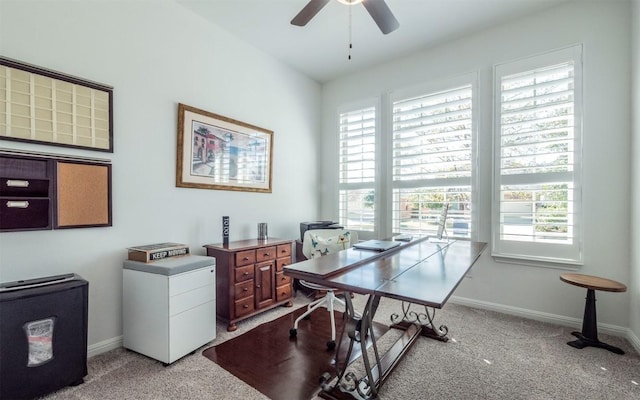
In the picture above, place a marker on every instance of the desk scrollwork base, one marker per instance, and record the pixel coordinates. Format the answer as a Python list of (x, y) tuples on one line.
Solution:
[(347, 385), (423, 319)]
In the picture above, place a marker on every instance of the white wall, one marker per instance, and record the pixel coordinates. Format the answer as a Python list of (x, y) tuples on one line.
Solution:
[(634, 287), (156, 54), (604, 29)]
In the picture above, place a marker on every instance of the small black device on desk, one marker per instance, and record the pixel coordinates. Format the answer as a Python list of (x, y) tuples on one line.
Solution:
[(307, 226)]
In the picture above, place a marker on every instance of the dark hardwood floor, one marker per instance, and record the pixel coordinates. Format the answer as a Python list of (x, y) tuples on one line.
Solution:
[(281, 367)]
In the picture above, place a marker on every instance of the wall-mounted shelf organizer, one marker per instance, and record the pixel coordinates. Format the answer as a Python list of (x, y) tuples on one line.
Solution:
[(39, 105), (41, 191)]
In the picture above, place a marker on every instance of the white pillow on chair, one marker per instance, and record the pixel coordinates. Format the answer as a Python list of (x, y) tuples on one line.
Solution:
[(321, 244)]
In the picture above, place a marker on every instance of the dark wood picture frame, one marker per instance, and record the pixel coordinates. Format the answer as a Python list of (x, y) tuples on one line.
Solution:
[(38, 105), (217, 152)]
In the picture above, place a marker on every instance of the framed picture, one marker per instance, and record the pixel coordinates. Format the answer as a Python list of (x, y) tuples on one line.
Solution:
[(216, 152), (47, 107)]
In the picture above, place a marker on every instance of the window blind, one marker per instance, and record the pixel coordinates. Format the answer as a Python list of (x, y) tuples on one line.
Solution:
[(432, 161), (537, 175), (357, 168)]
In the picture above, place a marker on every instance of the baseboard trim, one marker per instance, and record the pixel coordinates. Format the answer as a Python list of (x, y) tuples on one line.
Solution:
[(635, 341), (116, 342), (104, 346), (541, 316)]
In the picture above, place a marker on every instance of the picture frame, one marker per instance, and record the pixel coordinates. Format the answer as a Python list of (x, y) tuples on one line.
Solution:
[(221, 153), (42, 106)]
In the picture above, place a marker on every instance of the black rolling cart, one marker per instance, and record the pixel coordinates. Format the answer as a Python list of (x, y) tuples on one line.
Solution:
[(43, 335)]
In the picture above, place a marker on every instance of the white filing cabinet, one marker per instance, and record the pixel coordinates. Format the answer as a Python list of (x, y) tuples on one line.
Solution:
[(168, 306)]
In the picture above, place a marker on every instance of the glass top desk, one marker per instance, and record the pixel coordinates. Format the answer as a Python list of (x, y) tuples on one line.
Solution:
[(420, 272)]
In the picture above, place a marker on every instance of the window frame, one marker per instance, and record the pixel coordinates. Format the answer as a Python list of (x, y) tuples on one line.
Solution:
[(529, 253), (372, 102), (427, 89)]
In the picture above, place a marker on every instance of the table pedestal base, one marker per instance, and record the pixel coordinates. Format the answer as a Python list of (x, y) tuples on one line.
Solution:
[(589, 334), (583, 342)]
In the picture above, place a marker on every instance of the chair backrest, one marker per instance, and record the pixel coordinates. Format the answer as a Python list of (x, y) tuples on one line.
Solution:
[(319, 242)]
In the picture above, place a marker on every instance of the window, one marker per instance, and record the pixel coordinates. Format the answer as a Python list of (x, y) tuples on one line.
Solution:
[(357, 168), (432, 163), (537, 166)]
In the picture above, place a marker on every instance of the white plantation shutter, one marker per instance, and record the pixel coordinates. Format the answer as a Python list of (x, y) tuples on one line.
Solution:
[(432, 164), (537, 169), (357, 168)]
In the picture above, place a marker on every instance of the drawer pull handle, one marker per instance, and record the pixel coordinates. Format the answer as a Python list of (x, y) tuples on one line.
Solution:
[(245, 289), (17, 204), (17, 183), (245, 273), (267, 254), (245, 259), (245, 306), (258, 286)]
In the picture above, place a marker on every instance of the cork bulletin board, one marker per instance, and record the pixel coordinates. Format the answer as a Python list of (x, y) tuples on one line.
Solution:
[(83, 195)]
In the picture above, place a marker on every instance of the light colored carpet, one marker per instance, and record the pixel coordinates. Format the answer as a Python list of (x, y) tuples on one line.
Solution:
[(490, 356)]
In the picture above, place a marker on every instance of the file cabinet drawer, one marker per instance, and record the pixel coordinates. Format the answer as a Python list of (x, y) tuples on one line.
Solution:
[(24, 187), (24, 213), (191, 299), (191, 280)]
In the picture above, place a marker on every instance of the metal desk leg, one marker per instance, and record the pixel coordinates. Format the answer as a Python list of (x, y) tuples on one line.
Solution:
[(348, 385)]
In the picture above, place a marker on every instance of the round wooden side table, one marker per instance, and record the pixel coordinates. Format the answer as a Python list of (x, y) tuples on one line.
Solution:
[(589, 334)]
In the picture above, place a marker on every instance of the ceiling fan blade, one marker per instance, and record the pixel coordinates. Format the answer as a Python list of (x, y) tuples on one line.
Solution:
[(309, 11), (382, 15)]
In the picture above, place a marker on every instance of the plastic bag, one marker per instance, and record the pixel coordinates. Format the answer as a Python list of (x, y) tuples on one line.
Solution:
[(40, 338)]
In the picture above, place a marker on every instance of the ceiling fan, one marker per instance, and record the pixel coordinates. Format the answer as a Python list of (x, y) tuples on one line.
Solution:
[(378, 9)]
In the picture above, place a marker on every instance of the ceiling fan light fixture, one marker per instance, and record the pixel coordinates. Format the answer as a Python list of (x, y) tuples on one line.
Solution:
[(351, 2)]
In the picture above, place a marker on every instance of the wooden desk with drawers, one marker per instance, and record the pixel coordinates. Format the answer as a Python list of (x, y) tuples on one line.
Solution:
[(250, 278)]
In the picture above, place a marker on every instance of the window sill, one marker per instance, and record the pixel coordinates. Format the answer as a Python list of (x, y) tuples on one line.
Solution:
[(541, 263)]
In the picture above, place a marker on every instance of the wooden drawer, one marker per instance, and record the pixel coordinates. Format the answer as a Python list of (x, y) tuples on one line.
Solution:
[(281, 262), (282, 279), (244, 273), (245, 258), (283, 292), (266, 254), (191, 280), (244, 306), (24, 213), (284, 250), (24, 187), (243, 289)]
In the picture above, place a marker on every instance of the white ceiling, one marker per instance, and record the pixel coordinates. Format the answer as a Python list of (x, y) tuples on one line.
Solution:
[(320, 49)]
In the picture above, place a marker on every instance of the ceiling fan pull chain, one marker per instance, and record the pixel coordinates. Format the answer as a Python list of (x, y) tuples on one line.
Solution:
[(350, 40)]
